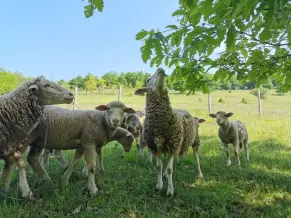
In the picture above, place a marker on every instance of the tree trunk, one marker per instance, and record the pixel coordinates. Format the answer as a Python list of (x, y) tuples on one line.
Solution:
[(209, 103), (259, 103)]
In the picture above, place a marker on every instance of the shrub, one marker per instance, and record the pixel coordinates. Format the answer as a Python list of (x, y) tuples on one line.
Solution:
[(221, 100), (263, 91), (244, 101)]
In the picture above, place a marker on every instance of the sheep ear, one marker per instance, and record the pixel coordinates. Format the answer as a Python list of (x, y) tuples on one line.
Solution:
[(229, 114), (129, 110), (140, 91), (201, 121), (33, 88), (140, 113), (101, 107), (212, 115), (128, 135)]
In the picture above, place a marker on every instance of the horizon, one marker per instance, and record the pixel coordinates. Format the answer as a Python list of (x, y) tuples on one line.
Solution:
[(67, 44)]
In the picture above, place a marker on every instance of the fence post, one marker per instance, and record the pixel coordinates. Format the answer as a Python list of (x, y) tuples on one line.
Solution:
[(259, 103), (119, 93), (209, 103)]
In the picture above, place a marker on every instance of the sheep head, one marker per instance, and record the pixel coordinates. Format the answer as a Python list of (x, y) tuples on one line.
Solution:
[(221, 117), (114, 112), (49, 92), (156, 83)]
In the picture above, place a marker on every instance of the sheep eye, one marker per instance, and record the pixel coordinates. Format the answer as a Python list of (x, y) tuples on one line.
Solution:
[(47, 85)]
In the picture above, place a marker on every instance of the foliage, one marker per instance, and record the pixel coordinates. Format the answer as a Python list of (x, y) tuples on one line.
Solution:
[(77, 82), (220, 100), (244, 101), (91, 83), (263, 93), (254, 36), (92, 6)]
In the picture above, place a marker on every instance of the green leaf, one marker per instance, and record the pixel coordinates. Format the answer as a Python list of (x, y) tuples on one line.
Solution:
[(230, 37), (172, 27), (265, 34), (99, 4), (220, 74), (158, 48), (141, 34), (178, 12), (88, 11), (289, 36), (288, 79), (153, 61), (167, 61), (146, 50)]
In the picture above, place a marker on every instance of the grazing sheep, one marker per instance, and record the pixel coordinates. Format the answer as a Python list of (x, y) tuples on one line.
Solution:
[(85, 131), (166, 130), (123, 136), (20, 111), (134, 124), (231, 132)]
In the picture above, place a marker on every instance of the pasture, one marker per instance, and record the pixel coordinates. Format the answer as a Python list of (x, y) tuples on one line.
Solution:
[(127, 187)]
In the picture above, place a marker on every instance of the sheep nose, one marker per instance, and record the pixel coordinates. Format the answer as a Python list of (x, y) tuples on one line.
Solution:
[(115, 120), (71, 94)]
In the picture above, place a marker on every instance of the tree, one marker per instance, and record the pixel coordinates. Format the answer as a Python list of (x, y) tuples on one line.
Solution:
[(111, 79), (91, 83), (77, 82), (254, 36)]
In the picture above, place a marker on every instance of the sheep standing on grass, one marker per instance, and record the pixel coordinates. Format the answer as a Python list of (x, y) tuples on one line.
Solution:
[(166, 130), (85, 131), (231, 132), (20, 111), (122, 136)]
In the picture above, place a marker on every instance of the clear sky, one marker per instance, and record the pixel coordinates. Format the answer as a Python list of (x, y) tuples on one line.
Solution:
[(54, 37)]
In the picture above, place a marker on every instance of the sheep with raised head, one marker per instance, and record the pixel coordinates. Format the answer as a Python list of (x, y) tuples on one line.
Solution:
[(231, 132), (20, 111), (85, 131), (166, 130)]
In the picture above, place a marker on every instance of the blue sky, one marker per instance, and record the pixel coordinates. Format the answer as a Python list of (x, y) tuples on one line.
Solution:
[(54, 37)]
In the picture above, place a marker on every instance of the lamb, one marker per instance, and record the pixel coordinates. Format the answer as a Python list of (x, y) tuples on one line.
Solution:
[(85, 131), (166, 130), (231, 132), (20, 112), (122, 136)]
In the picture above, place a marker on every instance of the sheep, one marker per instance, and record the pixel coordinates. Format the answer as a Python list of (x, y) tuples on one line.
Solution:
[(20, 111), (166, 130), (85, 131), (123, 136), (231, 132)]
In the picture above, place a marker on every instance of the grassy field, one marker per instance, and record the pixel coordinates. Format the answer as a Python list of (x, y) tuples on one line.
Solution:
[(259, 188)]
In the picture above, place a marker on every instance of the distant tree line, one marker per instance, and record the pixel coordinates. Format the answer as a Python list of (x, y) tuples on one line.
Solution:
[(112, 80)]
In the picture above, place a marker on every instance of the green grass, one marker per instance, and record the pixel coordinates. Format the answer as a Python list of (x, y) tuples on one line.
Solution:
[(127, 188)]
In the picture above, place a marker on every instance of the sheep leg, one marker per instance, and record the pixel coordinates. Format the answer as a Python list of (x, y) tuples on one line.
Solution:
[(7, 172), (23, 185), (170, 191), (77, 157), (100, 160), (33, 159), (150, 156), (59, 155), (90, 157), (200, 175), (246, 147), (85, 170), (159, 185), (45, 158), (236, 147), (140, 145), (226, 148)]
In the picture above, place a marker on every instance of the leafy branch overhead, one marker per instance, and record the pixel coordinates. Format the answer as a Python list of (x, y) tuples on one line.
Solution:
[(92, 6), (249, 39)]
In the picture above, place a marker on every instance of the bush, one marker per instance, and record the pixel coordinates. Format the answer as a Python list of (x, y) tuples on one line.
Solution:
[(221, 100), (244, 101), (263, 91), (200, 100)]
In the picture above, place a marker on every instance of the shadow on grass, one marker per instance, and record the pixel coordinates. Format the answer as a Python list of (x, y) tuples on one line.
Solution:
[(127, 187)]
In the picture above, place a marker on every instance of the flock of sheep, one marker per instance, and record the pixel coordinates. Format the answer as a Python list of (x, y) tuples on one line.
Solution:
[(27, 119)]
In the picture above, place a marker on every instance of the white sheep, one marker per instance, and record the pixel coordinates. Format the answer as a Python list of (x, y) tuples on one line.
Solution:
[(20, 111), (85, 131), (166, 130), (231, 132)]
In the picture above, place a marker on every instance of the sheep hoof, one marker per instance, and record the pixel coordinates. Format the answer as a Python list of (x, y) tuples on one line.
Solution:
[(170, 191), (199, 176), (165, 175), (28, 197), (159, 186), (93, 191), (228, 163)]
